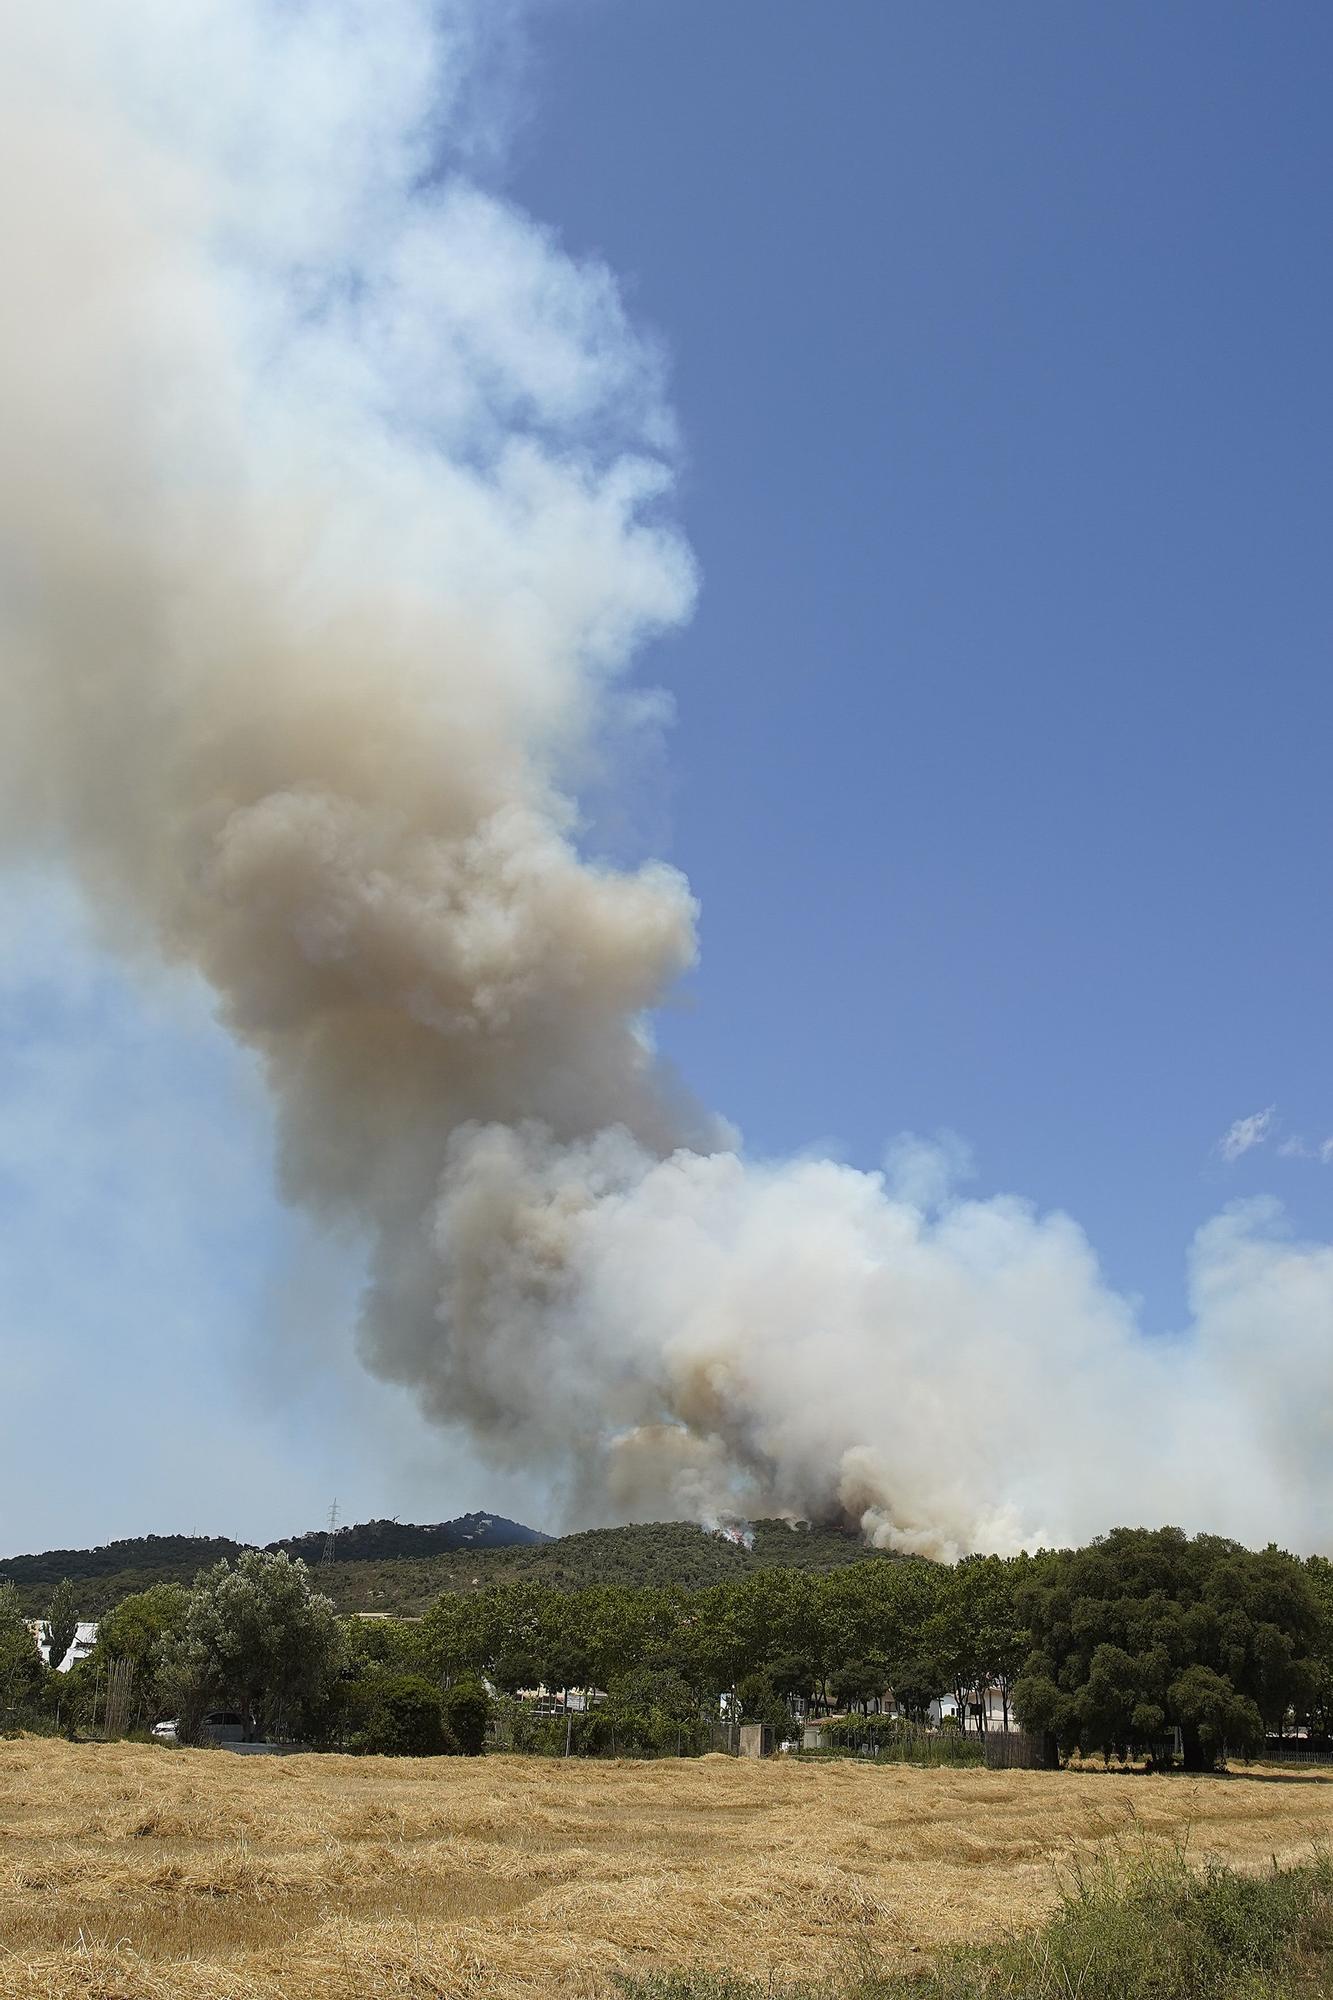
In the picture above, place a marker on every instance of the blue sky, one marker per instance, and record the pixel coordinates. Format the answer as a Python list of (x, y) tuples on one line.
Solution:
[(998, 344)]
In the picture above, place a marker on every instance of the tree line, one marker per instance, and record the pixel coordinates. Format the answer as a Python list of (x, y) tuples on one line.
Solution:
[(1142, 1639)]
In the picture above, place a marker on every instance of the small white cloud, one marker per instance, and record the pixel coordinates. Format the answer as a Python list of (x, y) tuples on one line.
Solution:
[(1297, 1148), (1247, 1132)]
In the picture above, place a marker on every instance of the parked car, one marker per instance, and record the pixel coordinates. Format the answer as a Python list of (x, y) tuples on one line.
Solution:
[(224, 1725)]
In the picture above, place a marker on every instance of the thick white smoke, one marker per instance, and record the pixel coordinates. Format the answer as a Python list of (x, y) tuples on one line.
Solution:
[(330, 510)]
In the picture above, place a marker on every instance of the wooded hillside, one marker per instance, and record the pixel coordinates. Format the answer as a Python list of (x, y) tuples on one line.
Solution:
[(394, 1566), (652, 1554), (116, 1570)]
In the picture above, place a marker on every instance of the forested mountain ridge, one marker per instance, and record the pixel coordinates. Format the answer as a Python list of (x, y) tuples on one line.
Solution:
[(396, 1567), (116, 1569)]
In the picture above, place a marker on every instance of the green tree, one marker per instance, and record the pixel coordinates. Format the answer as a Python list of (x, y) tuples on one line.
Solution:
[(257, 1638), (62, 1623), (1146, 1631), (512, 1670), (564, 1665), (398, 1715), (794, 1676), (1319, 1708), (979, 1637), (858, 1683), (21, 1670), (467, 1713), (1213, 1718), (457, 1635), (138, 1630), (394, 1644), (650, 1708), (887, 1613), (626, 1629), (761, 1701), (917, 1679)]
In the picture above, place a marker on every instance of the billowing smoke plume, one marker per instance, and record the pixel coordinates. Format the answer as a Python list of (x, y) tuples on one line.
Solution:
[(330, 511)]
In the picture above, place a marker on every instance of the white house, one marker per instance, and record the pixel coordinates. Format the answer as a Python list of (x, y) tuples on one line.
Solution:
[(971, 1714), (85, 1638)]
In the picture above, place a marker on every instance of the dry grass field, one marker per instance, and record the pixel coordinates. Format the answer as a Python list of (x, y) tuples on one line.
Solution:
[(131, 1873)]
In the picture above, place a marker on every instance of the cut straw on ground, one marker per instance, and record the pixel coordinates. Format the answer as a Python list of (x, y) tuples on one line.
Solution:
[(137, 1873)]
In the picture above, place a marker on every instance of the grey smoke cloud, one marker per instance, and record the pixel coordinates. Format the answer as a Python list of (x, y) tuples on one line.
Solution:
[(331, 513)]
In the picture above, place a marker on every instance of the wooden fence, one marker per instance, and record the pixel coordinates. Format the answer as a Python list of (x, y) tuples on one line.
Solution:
[(1012, 1750)]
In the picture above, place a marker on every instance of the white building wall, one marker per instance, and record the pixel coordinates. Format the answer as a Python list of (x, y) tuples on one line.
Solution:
[(945, 1704), (85, 1638)]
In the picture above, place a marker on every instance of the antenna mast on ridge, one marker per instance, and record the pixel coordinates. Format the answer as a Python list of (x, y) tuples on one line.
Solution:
[(326, 1560)]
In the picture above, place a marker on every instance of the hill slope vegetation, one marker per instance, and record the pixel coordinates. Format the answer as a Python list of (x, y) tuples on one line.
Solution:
[(117, 1569), (396, 1567)]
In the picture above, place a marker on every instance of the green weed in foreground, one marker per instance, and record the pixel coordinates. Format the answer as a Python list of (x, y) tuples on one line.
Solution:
[(1160, 1931)]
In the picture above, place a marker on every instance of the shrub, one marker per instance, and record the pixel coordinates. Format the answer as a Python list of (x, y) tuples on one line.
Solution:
[(467, 1714), (650, 1709), (21, 1671), (1162, 1933), (400, 1716), (518, 1727)]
